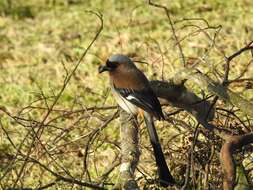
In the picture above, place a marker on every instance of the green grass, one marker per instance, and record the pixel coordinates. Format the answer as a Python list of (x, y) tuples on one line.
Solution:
[(38, 37)]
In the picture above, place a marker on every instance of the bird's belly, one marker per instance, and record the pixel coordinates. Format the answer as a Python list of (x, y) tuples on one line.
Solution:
[(125, 104)]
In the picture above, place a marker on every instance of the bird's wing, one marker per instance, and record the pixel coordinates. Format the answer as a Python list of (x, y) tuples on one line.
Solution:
[(145, 99)]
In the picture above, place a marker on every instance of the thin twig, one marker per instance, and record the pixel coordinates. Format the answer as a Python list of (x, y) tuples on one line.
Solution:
[(41, 124), (181, 54)]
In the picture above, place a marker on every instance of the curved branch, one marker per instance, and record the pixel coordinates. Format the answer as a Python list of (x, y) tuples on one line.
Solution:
[(226, 156)]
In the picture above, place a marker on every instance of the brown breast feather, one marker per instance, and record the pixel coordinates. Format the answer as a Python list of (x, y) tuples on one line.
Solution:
[(129, 79)]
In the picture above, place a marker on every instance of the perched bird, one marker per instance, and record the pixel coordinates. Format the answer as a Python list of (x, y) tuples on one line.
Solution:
[(133, 93)]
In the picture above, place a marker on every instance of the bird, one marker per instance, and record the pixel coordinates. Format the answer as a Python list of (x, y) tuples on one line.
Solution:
[(133, 93)]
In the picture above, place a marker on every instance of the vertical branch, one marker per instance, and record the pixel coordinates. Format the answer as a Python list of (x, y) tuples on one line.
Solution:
[(228, 165), (129, 150), (190, 161), (187, 172), (207, 169)]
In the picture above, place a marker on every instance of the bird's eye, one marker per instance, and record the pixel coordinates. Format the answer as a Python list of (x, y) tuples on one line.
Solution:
[(111, 64)]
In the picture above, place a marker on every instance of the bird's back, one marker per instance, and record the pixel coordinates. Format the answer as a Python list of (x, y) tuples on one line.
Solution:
[(133, 85)]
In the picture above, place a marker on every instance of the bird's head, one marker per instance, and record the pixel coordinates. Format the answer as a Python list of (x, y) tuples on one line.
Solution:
[(115, 63)]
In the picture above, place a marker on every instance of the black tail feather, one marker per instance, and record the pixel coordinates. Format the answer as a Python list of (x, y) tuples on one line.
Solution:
[(165, 176)]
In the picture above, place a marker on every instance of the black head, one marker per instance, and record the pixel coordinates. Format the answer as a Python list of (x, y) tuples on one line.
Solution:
[(109, 66), (116, 61)]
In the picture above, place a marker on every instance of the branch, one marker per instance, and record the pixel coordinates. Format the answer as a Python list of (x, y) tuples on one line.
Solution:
[(180, 50), (227, 161), (129, 150), (40, 125), (179, 96), (249, 46), (206, 83), (65, 179)]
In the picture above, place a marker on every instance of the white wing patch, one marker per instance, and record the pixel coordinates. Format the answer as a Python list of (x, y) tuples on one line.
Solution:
[(125, 103), (130, 97)]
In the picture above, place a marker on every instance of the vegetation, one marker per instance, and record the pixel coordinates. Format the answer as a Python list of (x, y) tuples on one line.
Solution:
[(41, 42)]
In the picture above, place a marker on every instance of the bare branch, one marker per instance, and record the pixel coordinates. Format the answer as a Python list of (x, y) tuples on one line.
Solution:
[(232, 144), (40, 130), (249, 46), (205, 83), (180, 50), (130, 152)]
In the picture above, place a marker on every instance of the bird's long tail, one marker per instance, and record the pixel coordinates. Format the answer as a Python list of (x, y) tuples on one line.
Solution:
[(165, 176)]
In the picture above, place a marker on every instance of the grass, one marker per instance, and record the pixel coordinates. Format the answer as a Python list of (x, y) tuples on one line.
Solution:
[(40, 40)]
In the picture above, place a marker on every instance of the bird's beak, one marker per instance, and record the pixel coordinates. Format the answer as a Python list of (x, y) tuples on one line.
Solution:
[(102, 68)]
